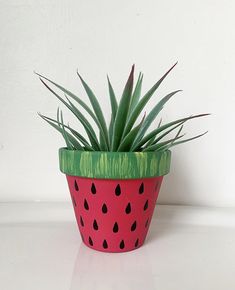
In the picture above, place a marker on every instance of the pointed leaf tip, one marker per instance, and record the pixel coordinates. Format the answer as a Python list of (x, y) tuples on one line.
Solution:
[(174, 64), (131, 77), (132, 71), (171, 68), (79, 75), (108, 79)]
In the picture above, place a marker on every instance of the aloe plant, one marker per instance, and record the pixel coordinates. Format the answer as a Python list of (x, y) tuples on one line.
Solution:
[(122, 134)]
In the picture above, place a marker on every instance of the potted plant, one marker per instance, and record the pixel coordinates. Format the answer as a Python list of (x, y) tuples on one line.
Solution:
[(114, 179)]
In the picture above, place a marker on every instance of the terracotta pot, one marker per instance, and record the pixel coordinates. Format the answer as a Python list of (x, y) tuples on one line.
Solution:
[(114, 195)]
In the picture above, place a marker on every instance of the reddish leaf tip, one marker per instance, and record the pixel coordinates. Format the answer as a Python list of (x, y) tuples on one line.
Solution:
[(172, 67), (78, 74), (132, 71)]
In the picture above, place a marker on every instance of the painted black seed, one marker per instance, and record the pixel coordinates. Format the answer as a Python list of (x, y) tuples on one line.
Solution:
[(86, 206), (133, 227), (137, 243), (81, 221), (147, 222), (95, 225), (122, 245), (146, 205), (82, 237), (93, 189), (90, 241), (118, 190), (141, 189), (105, 244), (104, 208), (76, 185), (115, 228), (74, 201), (128, 208)]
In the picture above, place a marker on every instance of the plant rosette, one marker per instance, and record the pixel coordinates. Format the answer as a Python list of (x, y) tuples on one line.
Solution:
[(114, 195), (115, 176)]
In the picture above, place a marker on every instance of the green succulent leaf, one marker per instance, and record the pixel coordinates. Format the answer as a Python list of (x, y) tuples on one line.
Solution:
[(81, 139), (122, 112), (166, 133), (136, 94), (161, 145), (70, 94), (64, 133), (151, 140), (155, 132), (159, 124), (185, 140), (151, 117), (113, 100), (74, 132), (78, 100), (97, 109), (114, 106), (128, 140), (87, 126), (111, 130), (71, 139), (141, 104)]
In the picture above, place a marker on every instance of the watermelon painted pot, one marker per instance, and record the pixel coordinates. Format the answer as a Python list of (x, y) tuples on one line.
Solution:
[(114, 195)]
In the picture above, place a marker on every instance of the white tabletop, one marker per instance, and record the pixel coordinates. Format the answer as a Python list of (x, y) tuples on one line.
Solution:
[(188, 248)]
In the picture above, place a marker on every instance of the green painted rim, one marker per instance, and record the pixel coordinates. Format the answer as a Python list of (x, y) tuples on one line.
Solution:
[(114, 165)]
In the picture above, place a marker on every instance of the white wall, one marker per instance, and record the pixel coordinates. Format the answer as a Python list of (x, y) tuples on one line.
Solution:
[(56, 37)]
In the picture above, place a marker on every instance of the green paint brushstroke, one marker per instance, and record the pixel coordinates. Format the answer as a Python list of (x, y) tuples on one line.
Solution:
[(114, 165)]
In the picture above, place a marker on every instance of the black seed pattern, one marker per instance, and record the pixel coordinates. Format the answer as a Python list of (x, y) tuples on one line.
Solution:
[(105, 244), (86, 206), (115, 228), (104, 208), (93, 189), (81, 221), (146, 205), (133, 227), (128, 208), (137, 243), (122, 245), (90, 241), (95, 225), (118, 190), (74, 201), (76, 185), (141, 189), (82, 237), (147, 222)]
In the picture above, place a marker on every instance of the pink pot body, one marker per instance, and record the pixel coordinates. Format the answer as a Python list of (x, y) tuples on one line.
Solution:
[(113, 215)]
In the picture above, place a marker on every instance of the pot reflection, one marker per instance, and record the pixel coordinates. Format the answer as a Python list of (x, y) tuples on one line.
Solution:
[(95, 270)]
